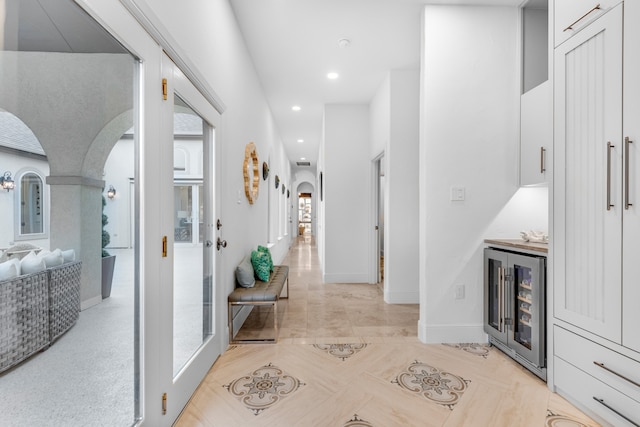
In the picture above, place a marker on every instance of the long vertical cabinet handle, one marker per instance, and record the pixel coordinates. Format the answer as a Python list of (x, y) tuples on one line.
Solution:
[(609, 147), (542, 168), (627, 142), (500, 296)]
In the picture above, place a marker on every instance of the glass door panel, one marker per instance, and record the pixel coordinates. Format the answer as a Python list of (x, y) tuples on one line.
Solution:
[(523, 304), (190, 283), (495, 293), (495, 269), (182, 213), (63, 106)]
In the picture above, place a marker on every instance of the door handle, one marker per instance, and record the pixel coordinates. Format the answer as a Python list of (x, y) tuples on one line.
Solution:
[(593, 9), (627, 142), (609, 147), (500, 298), (221, 243)]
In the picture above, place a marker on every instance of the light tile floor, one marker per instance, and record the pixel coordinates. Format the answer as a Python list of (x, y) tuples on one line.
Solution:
[(345, 358)]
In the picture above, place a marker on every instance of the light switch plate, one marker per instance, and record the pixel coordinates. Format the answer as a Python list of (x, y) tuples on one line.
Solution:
[(457, 194)]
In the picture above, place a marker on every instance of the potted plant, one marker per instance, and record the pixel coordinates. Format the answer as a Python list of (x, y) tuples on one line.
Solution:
[(108, 260)]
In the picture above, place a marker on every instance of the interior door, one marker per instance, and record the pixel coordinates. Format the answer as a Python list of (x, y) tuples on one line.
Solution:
[(192, 333)]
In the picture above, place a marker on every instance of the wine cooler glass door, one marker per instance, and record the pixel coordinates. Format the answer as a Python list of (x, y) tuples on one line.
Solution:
[(529, 309), (495, 292)]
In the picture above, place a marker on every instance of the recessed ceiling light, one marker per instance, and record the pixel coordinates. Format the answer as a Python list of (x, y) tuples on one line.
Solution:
[(303, 158), (332, 76), (344, 42), (296, 108), (301, 141)]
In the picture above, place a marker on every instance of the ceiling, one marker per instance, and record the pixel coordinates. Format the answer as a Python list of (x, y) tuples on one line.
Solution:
[(53, 26), (294, 44)]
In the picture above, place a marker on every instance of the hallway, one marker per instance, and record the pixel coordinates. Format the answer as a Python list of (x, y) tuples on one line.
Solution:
[(345, 358)]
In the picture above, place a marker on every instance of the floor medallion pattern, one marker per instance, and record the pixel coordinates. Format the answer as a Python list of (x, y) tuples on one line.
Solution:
[(357, 422), (481, 350), (556, 420), (341, 351), (438, 386), (263, 388)]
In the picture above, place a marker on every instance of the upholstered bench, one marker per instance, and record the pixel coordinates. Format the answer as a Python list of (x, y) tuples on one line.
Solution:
[(262, 293)]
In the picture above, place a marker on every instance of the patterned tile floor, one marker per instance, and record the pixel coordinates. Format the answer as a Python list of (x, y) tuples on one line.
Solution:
[(345, 358)]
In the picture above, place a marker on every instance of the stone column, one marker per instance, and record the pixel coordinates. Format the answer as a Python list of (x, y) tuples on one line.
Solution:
[(76, 222)]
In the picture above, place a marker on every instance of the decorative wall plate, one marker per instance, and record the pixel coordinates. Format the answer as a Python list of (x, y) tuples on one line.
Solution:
[(250, 172)]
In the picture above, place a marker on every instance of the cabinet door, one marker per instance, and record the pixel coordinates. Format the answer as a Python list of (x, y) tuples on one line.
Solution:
[(588, 177), (631, 240), (571, 16), (535, 134), (528, 302)]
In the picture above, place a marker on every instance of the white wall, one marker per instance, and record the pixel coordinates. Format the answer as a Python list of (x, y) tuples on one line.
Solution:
[(394, 126), (228, 69), (468, 138), (401, 210), (347, 192), (380, 110)]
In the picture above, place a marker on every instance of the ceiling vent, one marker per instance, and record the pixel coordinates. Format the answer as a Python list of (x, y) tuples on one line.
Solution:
[(303, 163)]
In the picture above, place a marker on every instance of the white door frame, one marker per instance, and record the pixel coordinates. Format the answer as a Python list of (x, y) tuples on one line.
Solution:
[(179, 389), (374, 256)]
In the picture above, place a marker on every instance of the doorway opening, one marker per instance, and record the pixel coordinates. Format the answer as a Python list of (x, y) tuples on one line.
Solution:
[(304, 214)]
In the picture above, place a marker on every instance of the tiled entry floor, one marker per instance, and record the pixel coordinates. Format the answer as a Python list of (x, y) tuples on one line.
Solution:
[(345, 358), (394, 382)]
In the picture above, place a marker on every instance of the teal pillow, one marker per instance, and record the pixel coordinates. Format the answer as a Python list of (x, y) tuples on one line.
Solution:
[(245, 274), (268, 252), (260, 263)]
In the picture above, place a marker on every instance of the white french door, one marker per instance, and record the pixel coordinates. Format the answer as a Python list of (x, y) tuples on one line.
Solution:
[(190, 337)]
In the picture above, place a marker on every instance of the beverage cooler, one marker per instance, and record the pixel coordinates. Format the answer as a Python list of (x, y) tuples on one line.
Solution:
[(514, 306)]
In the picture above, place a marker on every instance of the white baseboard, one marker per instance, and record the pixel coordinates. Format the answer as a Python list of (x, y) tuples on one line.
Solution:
[(435, 334), (90, 302), (345, 278), (402, 297)]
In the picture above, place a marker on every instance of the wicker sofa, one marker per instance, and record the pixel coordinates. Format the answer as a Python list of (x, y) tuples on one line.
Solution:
[(36, 309)]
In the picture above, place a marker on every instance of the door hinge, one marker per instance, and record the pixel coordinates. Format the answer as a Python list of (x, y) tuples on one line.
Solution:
[(164, 403), (164, 246), (164, 89)]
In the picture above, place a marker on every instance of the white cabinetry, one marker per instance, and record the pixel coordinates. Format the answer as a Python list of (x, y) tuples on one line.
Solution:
[(535, 114), (596, 202), (587, 177), (571, 16), (535, 134)]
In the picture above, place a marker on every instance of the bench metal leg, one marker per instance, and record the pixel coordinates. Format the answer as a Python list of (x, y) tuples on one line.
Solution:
[(256, 340)]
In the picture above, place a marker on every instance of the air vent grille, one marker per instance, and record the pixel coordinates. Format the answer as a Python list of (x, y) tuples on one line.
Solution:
[(303, 163)]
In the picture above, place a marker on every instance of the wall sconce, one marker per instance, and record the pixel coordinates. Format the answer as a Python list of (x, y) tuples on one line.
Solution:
[(6, 182), (111, 192)]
